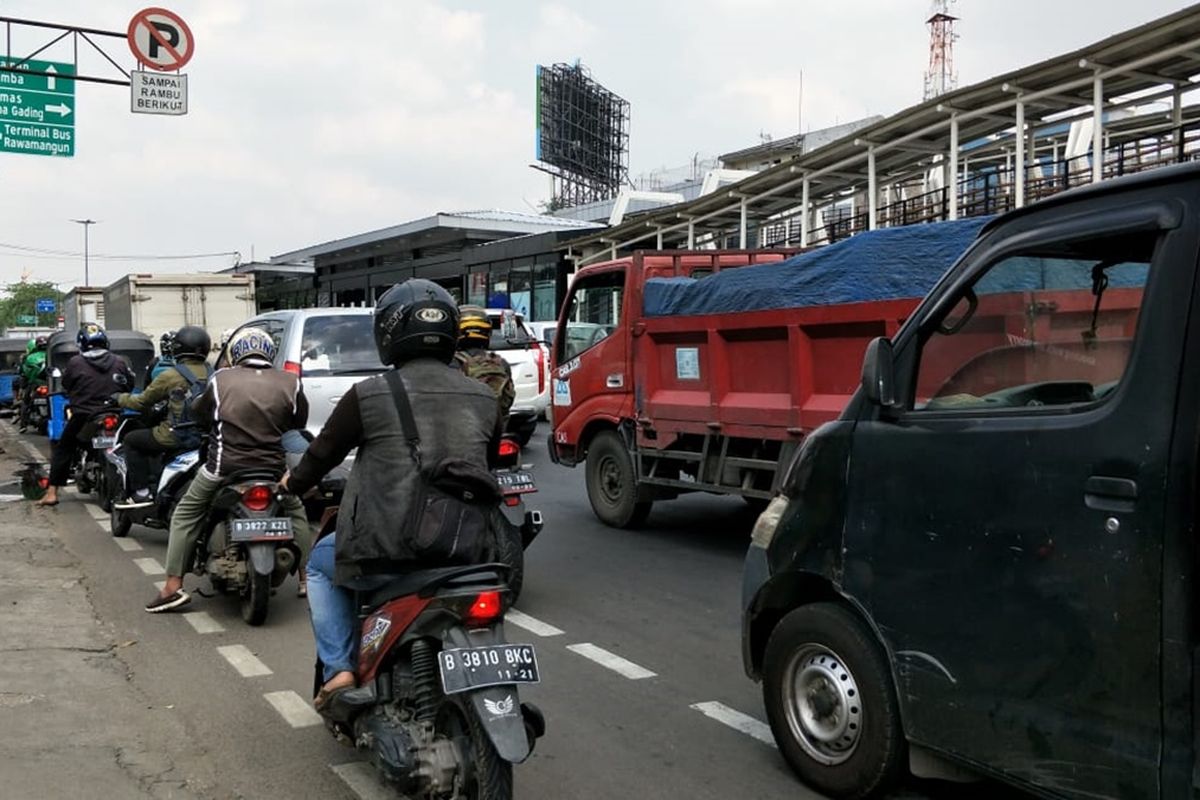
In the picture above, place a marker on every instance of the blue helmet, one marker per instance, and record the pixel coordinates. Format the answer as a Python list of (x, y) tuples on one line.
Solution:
[(90, 337)]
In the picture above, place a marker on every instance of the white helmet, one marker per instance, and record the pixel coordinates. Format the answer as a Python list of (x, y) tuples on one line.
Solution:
[(253, 345)]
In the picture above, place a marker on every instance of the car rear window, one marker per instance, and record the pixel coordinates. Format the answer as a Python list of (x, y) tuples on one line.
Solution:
[(341, 344), (499, 341)]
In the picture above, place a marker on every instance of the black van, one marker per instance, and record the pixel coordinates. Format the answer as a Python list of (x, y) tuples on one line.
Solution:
[(987, 562)]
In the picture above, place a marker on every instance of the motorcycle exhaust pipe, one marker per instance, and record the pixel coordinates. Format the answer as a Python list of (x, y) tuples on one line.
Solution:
[(285, 561), (531, 528)]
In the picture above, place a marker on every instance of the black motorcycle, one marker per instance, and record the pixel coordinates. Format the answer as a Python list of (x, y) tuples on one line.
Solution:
[(515, 526), (170, 477)]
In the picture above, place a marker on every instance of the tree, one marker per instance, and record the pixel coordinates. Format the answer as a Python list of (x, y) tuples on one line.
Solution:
[(21, 300)]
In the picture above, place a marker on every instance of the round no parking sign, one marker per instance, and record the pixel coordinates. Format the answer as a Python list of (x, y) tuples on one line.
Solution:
[(160, 39)]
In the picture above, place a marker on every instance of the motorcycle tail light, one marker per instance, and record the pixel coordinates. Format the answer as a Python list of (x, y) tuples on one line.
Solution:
[(486, 608), (42, 391), (512, 500), (509, 449), (257, 498), (110, 423)]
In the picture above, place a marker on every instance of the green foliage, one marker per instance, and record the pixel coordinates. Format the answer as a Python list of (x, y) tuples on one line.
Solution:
[(21, 298)]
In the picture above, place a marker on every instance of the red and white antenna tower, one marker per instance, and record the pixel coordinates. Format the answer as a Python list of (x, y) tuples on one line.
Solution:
[(941, 76)]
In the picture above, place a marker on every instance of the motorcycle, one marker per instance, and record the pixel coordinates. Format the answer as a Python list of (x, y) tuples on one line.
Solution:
[(436, 706), (171, 482), (248, 546), (88, 465), (35, 407), (517, 527)]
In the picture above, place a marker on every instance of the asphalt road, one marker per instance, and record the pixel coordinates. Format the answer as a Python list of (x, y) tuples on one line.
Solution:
[(637, 635)]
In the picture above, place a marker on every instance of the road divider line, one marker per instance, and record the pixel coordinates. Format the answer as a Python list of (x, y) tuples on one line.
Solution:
[(128, 545), (245, 662), (743, 723), (534, 626), (98, 514), (202, 622), (150, 566), (294, 709), (612, 661), (160, 585), (362, 779)]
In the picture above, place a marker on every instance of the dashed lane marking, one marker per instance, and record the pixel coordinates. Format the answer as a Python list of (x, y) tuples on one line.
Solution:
[(150, 566), (612, 661), (534, 626), (245, 662), (202, 622), (98, 514), (363, 780), (128, 545), (294, 709), (160, 585), (740, 722)]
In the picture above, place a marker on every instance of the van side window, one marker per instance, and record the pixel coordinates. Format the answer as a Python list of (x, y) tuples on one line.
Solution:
[(593, 312), (1050, 327)]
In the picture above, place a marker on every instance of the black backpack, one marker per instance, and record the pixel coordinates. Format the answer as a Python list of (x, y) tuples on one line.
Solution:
[(448, 521), (183, 423)]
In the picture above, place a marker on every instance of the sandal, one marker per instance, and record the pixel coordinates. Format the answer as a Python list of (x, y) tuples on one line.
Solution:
[(325, 696)]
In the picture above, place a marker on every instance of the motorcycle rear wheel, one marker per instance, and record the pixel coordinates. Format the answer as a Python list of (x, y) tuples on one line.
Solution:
[(509, 551), (489, 777), (256, 597)]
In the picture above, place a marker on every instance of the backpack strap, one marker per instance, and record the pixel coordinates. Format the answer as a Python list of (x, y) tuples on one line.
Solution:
[(191, 379), (408, 423)]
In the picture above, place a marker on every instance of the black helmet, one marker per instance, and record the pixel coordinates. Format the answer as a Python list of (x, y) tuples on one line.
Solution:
[(192, 340), (166, 344), (40, 342), (90, 337), (416, 319)]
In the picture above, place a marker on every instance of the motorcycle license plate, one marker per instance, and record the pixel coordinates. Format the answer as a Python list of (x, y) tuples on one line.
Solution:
[(40, 402), (103, 442), (258, 530), (516, 482), (466, 668)]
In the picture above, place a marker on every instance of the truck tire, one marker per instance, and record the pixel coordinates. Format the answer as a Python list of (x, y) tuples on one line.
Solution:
[(829, 698), (611, 483)]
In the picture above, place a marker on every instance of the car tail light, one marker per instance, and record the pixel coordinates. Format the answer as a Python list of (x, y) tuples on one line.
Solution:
[(541, 364), (257, 498), (509, 449), (292, 367), (486, 608), (42, 390), (110, 423)]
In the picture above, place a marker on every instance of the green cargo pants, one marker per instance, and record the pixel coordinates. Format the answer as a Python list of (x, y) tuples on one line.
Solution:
[(187, 522)]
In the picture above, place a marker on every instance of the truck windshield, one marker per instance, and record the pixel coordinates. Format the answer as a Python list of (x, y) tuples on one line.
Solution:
[(339, 345), (593, 312)]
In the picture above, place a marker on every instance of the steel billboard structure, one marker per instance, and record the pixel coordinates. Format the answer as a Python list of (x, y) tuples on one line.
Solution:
[(582, 135)]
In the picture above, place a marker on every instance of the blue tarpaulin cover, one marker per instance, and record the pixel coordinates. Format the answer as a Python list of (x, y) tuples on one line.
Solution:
[(886, 264)]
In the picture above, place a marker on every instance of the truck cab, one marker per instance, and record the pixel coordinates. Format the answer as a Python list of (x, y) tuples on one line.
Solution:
[(987, 562)]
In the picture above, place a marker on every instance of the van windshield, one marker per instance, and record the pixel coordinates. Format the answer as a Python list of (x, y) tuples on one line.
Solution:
[(342, 344)]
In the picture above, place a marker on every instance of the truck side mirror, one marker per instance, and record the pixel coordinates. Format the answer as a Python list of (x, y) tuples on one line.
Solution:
[(878, 373)]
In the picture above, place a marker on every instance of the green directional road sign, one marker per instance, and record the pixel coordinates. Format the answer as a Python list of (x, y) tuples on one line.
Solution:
[(37, 112), (27, 320)]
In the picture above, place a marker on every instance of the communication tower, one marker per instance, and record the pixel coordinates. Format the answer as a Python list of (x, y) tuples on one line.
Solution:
[(582, 135), (941, 76)]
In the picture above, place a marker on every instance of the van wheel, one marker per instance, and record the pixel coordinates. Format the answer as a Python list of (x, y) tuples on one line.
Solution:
[(611, 484), (830, 701)]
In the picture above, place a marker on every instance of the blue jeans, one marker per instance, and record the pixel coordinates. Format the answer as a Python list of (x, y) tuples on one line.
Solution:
[(332, 611)]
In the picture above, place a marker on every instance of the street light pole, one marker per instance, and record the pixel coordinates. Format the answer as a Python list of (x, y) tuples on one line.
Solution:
[(86, 223)]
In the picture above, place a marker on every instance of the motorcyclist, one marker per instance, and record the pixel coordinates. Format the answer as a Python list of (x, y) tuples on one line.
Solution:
[(476, 361), (416, 327), (190, 346), (89, 380), (29, 374), (165, 359), (251, 405)]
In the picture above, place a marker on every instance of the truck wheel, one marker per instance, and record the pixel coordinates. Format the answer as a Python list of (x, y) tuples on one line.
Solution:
[(830, 701), (611, 485)]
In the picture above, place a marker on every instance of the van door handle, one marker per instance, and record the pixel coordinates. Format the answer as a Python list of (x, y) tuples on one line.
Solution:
[(1110, 494)]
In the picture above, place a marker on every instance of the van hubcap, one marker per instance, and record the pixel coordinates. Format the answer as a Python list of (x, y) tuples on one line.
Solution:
[(823, 704)]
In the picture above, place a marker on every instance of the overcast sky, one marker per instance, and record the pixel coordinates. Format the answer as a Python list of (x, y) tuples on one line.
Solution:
[(315, 120)]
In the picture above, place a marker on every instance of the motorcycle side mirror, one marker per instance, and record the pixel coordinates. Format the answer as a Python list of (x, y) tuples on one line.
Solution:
[(878, 373)]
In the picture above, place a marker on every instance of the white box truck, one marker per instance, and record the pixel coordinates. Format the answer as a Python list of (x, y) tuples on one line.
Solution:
[(82, 304), (154, 304)]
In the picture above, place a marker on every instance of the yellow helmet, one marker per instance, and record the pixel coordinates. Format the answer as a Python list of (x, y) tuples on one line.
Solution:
[(474, 325)]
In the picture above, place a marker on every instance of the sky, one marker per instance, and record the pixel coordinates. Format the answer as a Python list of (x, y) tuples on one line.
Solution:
[(310, 121)]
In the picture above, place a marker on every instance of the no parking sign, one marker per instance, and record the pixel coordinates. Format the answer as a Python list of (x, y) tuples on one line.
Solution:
[(160, 39)]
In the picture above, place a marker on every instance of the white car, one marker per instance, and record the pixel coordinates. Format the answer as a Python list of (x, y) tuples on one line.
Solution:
[(530, 363)]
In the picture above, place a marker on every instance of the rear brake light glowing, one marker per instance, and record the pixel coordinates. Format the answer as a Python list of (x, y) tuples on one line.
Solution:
[(110, 423), (509, 449), (42, 391), (512, 500), (257, 498), (292, 367), (486, 608)]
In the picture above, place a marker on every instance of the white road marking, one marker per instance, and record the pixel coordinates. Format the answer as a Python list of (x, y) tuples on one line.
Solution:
[(150, 566), (612, 661), (98, 514), (33, 453), (160, 585), (202, 622), (245, 662), (534, 626), (294, 709), (363, 780), (128, 545), (743, 723), (11, 498)]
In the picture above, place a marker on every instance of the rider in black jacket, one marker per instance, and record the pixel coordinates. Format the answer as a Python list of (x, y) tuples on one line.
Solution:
[(90, 379)]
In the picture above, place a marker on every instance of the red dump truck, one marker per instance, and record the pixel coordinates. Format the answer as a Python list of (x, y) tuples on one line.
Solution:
[(672, 374)]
